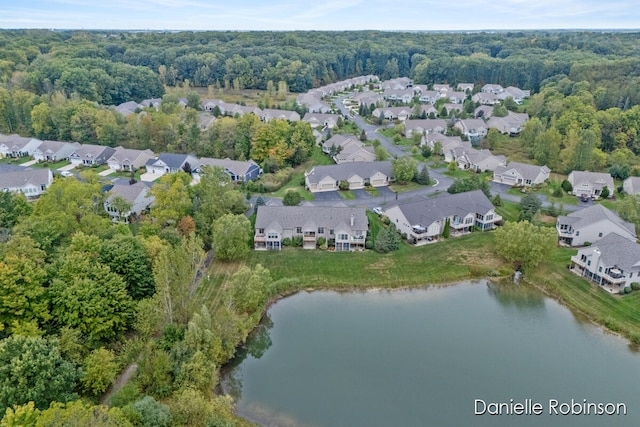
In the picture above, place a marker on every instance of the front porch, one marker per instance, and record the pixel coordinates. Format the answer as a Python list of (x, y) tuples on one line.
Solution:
[(612, 280)]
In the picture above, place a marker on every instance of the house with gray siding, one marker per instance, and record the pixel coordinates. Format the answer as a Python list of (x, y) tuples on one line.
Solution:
[(31, 182), (521, 174), (137, 195), (54, 151), (17, 146), (590, 184), (238, 171), (613, 262), (424, 221), (343, 227), (631, 185), (171, 163), (129, 159), (90, 154), (357, 174), (591, 224)]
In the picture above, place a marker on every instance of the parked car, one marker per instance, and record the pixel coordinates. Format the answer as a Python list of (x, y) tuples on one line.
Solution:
[(66, 173), (377, 210)]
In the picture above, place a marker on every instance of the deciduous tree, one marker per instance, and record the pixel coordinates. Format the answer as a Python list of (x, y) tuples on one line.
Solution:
[(231, 237), (524, 244)]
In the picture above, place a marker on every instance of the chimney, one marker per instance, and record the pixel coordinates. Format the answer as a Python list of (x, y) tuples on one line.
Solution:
[(351, 221)]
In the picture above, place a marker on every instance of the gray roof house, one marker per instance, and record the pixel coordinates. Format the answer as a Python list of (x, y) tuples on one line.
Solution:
[(590, 183), (465, 87), (476, 160), (89, 154), (54, 151), (17, 146), (31, 182), (128, 108), (424, 126), (313, 103), (491, 88), (521, 174), (136, 194), (612, 263), (402, 95), (357, 174), (631, 185), (170, 163), (393, 113), (511, 124), (345, 227), (592, 224), (347, 149), (424, 221), (321, 120), (269, 114), (129, 159), (472, 128), (486, 98), (447, 143), (238, 171)]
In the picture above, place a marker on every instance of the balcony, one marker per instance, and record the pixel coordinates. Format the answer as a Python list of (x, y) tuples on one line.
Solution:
[(309, 237), (578, 261), (260, 238), (567, 232)]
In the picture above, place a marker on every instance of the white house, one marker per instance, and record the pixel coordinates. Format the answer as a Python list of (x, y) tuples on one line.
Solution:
[(31, 182), (521, 174), (137, 195), (591, 224), (590, 184), (357, 174), (631, 185), (612, 263)]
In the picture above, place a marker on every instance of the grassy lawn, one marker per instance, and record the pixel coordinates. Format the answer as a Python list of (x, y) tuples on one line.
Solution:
[(123, 174), (458, 173), (513, 149), (509, 211), (293, 185), (390, 133), (373, 191), (347, 195), (409, 186), (52, 166)]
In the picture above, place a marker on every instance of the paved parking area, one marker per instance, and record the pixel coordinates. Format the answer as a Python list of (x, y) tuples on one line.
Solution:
[(386, 192), (497, 187), (362, 194), (68, 167), (327, 196)]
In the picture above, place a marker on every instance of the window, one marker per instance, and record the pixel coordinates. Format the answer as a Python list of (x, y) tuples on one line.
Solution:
[(320, 230), (599, 234), (577, 233), (299, 230), (488, 217), (260, 230), (343, 237), (331, 231), (468, 221), (599, 269), (272, 235), (630, 275)]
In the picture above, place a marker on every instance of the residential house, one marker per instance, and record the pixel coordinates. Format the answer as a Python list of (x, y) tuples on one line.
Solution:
[(472, 128), (238, 171), (209, 105), (129, 159), (476, 160), (427, 110), (486, 98), (518, 95), (631, 185), (465, 87), (455, 97), (425, 221), (137, 195), (171, 163), (483, 112), (128, 108), (401, 95), (321, 120), (90, 154), (424, 127), (511, 124), (347, 148), (429, 96), (393, 113), (344, 228), (17, 146), (151, 103), (368, 98), (521, 174), (31, 182), (399, 83), (443, 88), (590, 184), (452, 108), (54, 151), (590, 225), (491, 88), (447, 144), (612, 263), (269, 114), (205, 121), (357, 174)]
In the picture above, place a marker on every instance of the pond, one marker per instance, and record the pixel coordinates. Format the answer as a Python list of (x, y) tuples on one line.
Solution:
[(439, 356)]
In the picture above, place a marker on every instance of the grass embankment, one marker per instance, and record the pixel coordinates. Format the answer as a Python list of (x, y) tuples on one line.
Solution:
[(450, 261)]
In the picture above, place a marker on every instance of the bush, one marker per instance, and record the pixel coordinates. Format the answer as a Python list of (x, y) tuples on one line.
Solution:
[(286, 241), (321, 242), (627, 290), (368, 244), (557, 192), (343, 185), (385, 220), (566, 186), (635, 286), (296, 241), (605, 192), (292, 198)]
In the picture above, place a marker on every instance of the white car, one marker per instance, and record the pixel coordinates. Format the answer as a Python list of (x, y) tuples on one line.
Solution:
[(66, 173), (377, 210)]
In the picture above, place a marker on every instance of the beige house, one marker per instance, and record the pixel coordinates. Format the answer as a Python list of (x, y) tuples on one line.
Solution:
[(31, 182), (128, 159), (343, 228), (590, 184), (521, 174), (592, 224), (357, 174)]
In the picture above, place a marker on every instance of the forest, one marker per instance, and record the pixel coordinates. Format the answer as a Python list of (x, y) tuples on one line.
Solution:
[(82, 299)]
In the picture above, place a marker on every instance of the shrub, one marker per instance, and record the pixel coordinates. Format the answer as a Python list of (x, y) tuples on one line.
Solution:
[(627, 290), (343, 185), (292, 198), (385, 220), (286, 241), (321, 241), (635, 286), (605, 192), (296, 241), (566, 186), (557, 192), (368, 244)]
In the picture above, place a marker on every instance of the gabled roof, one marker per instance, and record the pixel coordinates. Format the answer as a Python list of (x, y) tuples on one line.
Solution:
[(425, 212), (511, 120), (91, 151), (344, 171), (172, 160), (634, 181), (128, 192), (237, 167), (55, 146), (594, 214), (424, 124), (16, 142), (527, 171), (616, 250), (288, 217), (129, 155), (594, 178), (21, 178)]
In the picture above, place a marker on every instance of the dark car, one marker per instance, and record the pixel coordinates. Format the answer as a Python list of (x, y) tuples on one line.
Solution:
[(584, 198)]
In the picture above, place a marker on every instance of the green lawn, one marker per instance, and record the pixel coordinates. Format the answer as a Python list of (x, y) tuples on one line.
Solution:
[(390, 133), (509, 211), (347, 195), (52, 166), (293, 185), (373, 191), (409, 186)]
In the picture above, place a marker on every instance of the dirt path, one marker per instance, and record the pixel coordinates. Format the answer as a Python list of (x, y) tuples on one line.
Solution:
[(120, 382)]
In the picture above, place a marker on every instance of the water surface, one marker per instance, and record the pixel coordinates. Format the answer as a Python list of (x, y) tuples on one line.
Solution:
[(421, 357)]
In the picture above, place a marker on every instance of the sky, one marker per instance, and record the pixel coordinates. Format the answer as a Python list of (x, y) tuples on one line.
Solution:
[(284, 15)]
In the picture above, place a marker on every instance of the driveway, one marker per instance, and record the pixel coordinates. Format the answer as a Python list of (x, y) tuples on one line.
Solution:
[(498, 187), (362, 194), (150, 176), (327, 196), (67, 168), (106, 172)]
